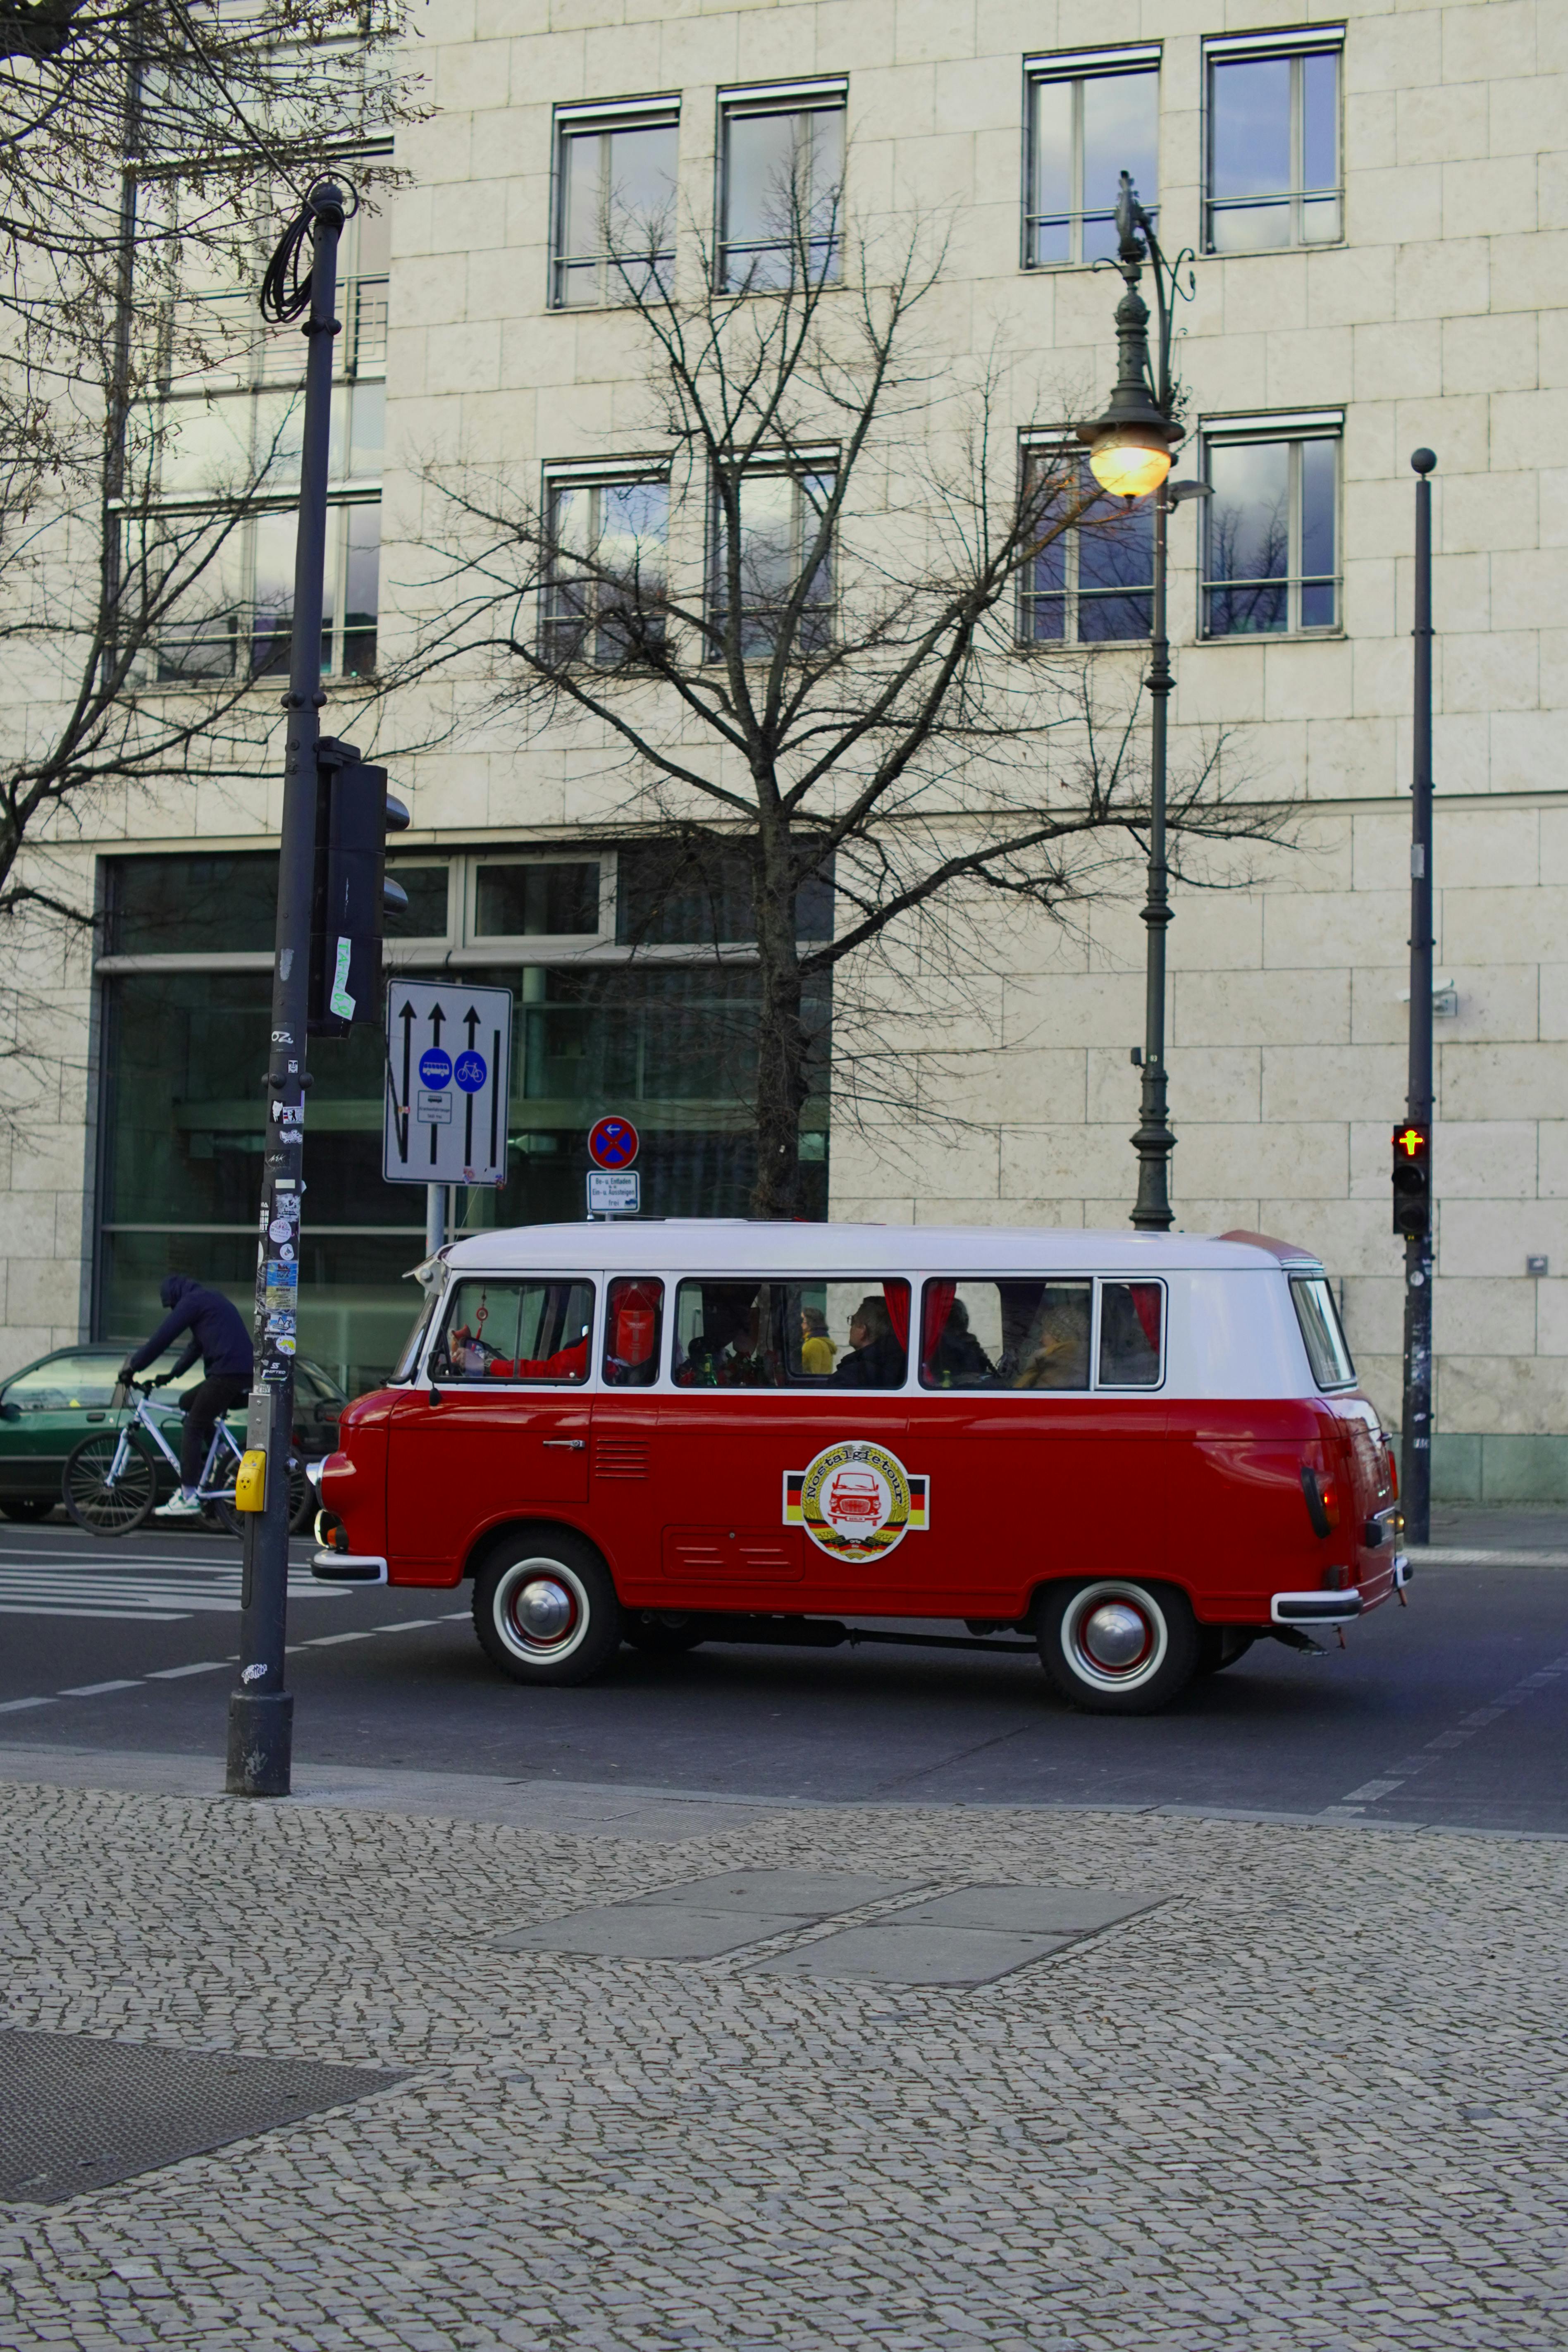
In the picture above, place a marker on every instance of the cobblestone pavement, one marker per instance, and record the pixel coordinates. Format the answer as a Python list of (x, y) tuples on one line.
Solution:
[(1314, 2098)]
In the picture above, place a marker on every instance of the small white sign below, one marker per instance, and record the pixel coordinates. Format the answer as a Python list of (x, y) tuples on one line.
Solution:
[(433, 1110), (613, 1192)]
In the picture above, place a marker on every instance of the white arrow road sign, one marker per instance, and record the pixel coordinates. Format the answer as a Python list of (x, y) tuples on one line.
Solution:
[(448, 1070)]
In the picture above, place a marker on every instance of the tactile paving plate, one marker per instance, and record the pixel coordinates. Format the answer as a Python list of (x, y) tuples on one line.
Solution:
[(971, 1937), (77, 2113), (701, 1918)]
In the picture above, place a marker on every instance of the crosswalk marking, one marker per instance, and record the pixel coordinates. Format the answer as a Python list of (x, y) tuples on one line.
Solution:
[(148, 1591)]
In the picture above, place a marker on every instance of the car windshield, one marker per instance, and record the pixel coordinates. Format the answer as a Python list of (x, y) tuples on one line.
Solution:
[(82, 1381)]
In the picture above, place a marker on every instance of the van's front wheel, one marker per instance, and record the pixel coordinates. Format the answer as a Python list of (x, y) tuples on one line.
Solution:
[(546, 1611), (1115, 1645)]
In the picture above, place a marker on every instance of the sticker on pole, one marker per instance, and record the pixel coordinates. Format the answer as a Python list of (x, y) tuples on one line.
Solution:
[(612, 1143), (449, 1066)]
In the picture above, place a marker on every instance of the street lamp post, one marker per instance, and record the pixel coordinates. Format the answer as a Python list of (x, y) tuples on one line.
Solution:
[(1131, 447)]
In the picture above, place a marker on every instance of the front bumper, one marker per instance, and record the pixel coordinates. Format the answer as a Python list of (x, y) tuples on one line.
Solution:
[(348, 1567)]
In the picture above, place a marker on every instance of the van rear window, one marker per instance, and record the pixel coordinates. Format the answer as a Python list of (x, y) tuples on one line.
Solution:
[(1037, 1334), (1322, 1332)]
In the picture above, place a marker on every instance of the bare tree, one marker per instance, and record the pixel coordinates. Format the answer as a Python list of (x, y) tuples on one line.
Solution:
[(797, 626), (147, 150)]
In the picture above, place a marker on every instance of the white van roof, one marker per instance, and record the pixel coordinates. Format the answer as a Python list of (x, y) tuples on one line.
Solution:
[(715, 1245)]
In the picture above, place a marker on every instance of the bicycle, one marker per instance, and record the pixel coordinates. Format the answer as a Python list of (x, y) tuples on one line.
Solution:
[(110, 1480)]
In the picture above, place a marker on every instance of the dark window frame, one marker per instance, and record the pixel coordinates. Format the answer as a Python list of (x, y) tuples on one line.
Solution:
[(1290, 203), (1077, 68)]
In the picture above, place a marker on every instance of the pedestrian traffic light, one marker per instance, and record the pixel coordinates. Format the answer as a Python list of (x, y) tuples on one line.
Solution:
[(354, 813), (1413, 1179)]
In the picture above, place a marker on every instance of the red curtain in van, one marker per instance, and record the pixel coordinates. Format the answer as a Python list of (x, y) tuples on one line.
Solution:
[(939, 1299), (1145, 1297), (897, 1297)]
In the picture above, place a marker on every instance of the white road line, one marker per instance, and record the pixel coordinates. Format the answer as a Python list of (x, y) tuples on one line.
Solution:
[(94, 1690), (117, 1616), (173, 1674), (406, 1624), (1395, 1776), (325, 1641), (15, 1706)]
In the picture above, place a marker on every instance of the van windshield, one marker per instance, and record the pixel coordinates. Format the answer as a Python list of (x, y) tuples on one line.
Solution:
[(1322, 1329)]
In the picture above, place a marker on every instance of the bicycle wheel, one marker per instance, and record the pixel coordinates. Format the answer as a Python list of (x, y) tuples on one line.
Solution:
[(102, 1504), (218, 1511)]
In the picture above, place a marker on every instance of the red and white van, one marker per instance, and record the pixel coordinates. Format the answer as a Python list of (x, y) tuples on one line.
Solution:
[(1141, 1452)]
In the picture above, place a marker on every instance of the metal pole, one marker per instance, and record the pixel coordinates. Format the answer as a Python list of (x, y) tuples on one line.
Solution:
[(434, 1218), (1153, 1142), (1416, 1430), (260, 1711)]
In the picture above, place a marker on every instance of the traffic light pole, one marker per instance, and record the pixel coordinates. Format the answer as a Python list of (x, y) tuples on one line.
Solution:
[(1415, 1428), (260, 1711)]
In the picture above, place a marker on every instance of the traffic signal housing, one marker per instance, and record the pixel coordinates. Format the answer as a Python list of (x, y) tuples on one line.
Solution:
[(1413, 1179), (354, 813)]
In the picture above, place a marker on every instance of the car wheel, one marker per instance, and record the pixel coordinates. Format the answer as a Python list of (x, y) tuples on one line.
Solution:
[(102, 1506), (662, 1633), (29, 1506), (303, 1504), (546, 1609), (1221, 1646), (1115, 1645)]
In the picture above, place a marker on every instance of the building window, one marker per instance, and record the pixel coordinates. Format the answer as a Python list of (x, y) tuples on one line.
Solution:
[(781, 513), (1271, 529), (1093, 583), (604, 597), (781, 186), (1090, 120), (218, 457), (614, 204), (619, 998), (1273, 109)]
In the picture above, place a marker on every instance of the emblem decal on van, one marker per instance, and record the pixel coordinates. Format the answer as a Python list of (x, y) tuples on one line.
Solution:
[(854, 1500)]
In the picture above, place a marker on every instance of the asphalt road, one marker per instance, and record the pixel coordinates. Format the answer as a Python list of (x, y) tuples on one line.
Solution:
[(1453, 1711)]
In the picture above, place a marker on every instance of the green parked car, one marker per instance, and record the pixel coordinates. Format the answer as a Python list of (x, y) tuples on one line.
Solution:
[(50, 1405)]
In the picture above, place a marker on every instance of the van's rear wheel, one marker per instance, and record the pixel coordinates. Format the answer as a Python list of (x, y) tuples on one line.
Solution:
[(1117, 1646), (546, 1611)]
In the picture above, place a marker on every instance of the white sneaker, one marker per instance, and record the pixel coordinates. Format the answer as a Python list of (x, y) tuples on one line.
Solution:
[(181, 1506)]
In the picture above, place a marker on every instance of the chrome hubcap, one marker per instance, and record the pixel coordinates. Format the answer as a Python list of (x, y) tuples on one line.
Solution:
[(543, 1609), (1115, 1636)]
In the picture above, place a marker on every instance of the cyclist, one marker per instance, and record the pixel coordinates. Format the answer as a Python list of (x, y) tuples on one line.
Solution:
[(216, 1333)]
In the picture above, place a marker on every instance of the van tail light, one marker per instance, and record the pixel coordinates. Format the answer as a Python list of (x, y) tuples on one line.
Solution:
[(1322, 1503), (1393, 1473)]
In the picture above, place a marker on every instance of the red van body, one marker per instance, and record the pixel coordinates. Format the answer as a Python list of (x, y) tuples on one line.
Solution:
[(1144, 1452)]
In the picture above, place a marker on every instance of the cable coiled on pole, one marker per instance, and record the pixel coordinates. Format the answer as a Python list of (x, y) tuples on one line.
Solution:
[(285, 294)]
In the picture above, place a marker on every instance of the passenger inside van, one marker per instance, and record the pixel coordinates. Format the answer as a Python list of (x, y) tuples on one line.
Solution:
[(958, 1360), (1056, 1355), (876, 1357)]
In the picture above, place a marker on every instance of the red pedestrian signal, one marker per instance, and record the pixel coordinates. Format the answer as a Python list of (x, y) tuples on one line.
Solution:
[(1412, 1181)]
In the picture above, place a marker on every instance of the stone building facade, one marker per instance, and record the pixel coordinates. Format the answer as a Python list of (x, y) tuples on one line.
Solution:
[(1376, 198)]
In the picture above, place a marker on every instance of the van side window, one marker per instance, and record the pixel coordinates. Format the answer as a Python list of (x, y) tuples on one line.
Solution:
[(1131, 1315), (634, 1319), (1005, 1334), (1322, 1332), (515, 1332), (773, 1335)]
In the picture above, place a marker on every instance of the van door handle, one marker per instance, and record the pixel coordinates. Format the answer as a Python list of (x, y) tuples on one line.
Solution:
[(572, 1445)]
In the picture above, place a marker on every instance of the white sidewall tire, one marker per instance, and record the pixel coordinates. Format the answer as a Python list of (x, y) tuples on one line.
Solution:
[(590, 1637), (1143, 1683)]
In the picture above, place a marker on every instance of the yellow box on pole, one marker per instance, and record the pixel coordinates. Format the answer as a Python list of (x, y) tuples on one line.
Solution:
[(250, 1482)]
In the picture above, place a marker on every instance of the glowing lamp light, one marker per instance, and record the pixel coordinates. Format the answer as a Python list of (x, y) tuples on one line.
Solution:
[(1128, 462)]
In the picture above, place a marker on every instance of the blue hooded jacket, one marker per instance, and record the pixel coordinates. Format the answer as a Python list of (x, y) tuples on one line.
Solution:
[(218, 1332)]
